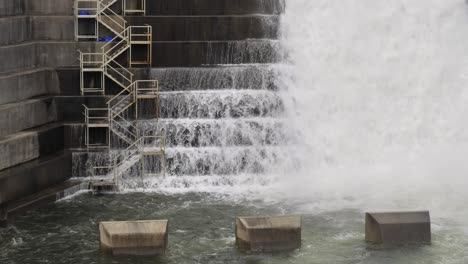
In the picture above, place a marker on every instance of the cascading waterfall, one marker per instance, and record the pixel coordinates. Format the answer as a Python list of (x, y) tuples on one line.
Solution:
[(377, 97), (223, 126)]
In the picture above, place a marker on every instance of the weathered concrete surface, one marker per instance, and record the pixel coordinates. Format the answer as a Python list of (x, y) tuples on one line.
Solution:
[(36, 37), (17, 57), (269, 233), (49, 7), (12, 7), (19, 29), (27, 84), (134, 237), (63, 54), (14, 30), (398, 227), (43, 197), (70, 108), (28, 145), (26, 114), (43, 54), (52, 27), (31, 177)]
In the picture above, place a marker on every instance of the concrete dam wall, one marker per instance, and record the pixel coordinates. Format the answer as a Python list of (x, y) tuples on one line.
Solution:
[(198, 46)]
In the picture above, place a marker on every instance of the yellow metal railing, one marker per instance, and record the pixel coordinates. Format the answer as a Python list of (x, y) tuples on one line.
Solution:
[(134, 6), (145, 145)]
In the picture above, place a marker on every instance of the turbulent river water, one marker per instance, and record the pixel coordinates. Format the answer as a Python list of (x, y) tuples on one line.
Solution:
[(366, 111)]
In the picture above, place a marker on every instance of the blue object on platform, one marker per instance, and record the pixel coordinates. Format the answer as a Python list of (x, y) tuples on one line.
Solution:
[(105, 38), (108, 38), (83, 13)]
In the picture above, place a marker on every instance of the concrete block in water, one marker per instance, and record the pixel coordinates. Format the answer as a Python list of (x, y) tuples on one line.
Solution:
[(269, 233), (134, 237), (398, 227)]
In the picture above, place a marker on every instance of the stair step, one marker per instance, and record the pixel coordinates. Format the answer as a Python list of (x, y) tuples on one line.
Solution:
[(44, 197)]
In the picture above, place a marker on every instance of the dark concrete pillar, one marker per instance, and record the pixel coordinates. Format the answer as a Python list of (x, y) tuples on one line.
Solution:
[(140, 238), (269, 233), (398, 227)]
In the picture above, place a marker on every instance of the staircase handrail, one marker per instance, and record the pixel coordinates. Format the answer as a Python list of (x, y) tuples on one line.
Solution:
[(112, 51), (111, 112), (113, 118), (162, 141), (124, 154), (128, 78), (88, 115), (116, 97), (113, 41), (154, 88), (77, 7), (119, 21), (117, 113), (106, 62), (126, 130), (109, 4), (147, 36), (86, 58)]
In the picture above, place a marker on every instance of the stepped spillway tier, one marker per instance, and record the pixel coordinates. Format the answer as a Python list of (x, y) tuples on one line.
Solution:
[(199, 53), (210, 28), (246, 76), (218, 132), (214, 7), (221, 161), (215, 77), (197, 160), (219, 104)]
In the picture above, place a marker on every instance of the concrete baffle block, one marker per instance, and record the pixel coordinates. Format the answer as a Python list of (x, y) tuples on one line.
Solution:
[(134, 237), (398, 227), (269, 233)]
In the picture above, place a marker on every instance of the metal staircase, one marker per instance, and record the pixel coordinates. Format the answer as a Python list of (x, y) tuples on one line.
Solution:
[(116, 118)]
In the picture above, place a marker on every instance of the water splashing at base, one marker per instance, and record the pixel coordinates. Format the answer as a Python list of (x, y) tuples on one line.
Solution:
[(377, 96)]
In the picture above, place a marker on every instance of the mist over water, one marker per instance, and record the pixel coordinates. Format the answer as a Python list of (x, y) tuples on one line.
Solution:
[(377, 96)]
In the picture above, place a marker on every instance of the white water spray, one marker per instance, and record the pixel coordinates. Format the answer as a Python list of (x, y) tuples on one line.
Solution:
[(379, 102)]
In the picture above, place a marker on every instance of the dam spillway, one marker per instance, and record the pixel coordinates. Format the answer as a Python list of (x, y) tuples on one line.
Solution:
[(328, 109), (222, 115), (215, 65)]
